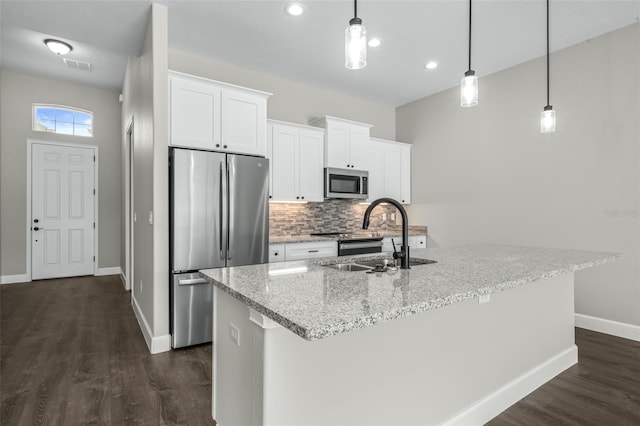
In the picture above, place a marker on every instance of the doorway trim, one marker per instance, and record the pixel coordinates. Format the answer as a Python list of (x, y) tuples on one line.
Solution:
[(128, 205), (30, 143)]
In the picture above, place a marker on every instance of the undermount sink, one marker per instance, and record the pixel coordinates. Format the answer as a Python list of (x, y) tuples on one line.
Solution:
[(352, 267), (413, 261), (370, 264)]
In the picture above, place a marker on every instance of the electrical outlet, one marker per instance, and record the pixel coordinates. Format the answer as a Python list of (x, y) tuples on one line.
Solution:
[(150, 218), (234, 334), (135, 217), (484, 298), (140, 286)]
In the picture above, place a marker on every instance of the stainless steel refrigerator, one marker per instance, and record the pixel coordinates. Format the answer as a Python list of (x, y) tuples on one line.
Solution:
[(219, 217)]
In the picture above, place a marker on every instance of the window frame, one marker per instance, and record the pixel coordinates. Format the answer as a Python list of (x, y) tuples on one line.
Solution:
[(34, 121)]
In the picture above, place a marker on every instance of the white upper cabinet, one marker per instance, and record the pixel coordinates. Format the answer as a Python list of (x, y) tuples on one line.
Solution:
[(212, 115), (346, 142), (195, 113), (389, 170), (296, 156)]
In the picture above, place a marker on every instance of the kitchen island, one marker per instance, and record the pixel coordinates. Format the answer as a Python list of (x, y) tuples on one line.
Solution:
[(453, 342)]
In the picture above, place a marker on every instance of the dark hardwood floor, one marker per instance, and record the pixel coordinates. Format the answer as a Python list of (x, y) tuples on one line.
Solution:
[(603, 389), (71, 352)]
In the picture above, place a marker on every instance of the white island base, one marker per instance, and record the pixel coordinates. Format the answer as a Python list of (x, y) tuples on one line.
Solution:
[(460, 364)]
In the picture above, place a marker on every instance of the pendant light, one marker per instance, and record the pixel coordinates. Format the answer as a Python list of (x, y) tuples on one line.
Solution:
[(548, 118), (355, 42), (469, 83)]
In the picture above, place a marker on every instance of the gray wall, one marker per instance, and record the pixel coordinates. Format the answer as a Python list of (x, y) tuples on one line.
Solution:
[(487, 174), (145, 92), (291, 101), (19, 91)]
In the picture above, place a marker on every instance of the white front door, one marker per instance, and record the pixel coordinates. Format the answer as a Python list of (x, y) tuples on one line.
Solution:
[(62, 211)]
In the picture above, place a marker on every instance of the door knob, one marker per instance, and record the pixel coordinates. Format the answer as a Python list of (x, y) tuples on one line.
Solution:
[(36, 220), (35, 228)]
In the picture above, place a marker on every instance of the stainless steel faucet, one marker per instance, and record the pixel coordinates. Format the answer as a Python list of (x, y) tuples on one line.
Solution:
[(404, 249)]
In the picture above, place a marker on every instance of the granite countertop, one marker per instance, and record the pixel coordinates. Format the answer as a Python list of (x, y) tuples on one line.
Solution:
[(306, 238), (315, 302)]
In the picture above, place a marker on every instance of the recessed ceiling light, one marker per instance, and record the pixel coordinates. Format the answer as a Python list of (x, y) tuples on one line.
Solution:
[(431, 65), (294, 9), (58, 47), (375, 42)]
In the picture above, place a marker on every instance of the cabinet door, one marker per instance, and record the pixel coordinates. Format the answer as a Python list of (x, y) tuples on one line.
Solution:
[(337, 146), (376, 170), (311, 174), (358, 145), (405, 169), (393, 171), (284, 163), (194, 114), (244, 122)]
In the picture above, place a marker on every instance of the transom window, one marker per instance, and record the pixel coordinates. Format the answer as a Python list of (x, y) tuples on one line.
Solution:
[(63, 120)]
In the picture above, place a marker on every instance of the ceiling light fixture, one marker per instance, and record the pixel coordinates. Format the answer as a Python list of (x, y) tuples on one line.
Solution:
[(469, 83), (374, 42), (58, 47), (548, 118), (294, 9), (355, 42), (431, 65)]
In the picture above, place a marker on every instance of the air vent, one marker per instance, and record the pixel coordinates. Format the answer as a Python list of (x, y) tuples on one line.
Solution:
[(78, 65)]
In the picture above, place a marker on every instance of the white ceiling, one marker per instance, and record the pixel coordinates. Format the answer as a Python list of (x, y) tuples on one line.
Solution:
[(260, 36)]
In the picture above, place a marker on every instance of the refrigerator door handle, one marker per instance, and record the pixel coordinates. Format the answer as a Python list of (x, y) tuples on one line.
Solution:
[(231, 190), (220, 214)]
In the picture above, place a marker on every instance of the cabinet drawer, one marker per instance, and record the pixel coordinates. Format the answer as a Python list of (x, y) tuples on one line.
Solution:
[(311, 250)]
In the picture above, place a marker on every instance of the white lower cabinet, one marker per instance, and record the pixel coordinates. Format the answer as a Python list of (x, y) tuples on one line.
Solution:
[(302, 251), (389, 170), (276, 253)]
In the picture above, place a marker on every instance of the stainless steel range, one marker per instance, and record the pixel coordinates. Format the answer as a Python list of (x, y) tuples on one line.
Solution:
[(355, 243)]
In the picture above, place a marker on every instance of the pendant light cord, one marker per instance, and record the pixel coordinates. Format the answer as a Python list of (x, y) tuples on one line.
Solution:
[(470, 34), (547, 52), (355, 8)]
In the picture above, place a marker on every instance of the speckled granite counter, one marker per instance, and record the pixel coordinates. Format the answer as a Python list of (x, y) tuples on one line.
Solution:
[(315, 301), (306, 238)]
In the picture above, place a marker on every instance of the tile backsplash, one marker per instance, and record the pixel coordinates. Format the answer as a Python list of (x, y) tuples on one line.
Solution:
[(329, 216)]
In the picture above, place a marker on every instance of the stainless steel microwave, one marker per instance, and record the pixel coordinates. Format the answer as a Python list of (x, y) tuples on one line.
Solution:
[(346, 183)]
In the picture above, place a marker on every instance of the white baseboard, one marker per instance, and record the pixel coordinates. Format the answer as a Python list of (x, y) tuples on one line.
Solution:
[(495, 403), (12, 279), (114, 270), (156, 344), (615, 328)]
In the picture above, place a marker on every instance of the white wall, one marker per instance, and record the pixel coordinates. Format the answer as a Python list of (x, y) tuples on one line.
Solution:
[(19, 92), (145, 93), (291, 101), (487, 174)]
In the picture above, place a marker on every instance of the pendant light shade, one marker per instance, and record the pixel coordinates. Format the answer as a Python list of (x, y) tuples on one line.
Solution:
[(469, 83), (355, 42), (469, 92), (548, 118)]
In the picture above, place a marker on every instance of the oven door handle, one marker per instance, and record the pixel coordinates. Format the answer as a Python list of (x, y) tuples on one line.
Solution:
[(370, 244)]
